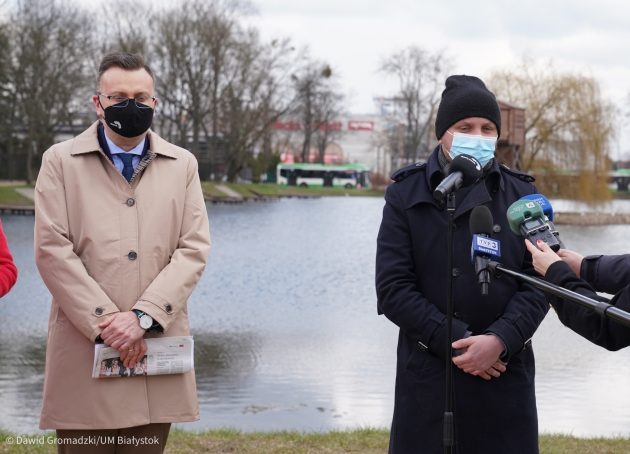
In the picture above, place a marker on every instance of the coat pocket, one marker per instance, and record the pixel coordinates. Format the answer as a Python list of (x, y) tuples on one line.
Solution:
[(419, 362)]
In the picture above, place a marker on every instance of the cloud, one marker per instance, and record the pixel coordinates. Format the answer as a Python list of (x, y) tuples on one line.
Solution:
[(585, 36)]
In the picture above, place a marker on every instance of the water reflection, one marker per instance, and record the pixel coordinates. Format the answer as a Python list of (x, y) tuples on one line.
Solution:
[(286, 331), (21, 380)]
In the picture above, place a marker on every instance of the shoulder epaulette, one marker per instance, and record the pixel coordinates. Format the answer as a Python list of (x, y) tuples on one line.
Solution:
[(403, 173), (520, 175)]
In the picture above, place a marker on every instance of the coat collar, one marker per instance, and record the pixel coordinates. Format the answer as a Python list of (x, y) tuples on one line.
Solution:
[(467, 198), (87, 142)]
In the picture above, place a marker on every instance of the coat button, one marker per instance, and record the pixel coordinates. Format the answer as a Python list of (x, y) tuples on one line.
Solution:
[(98, 310), (131, 202), (456, 272), (168, 308), (496, 228), (132, 255)]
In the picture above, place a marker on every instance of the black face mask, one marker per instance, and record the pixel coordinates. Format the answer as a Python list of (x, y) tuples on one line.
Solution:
[(129, 121)]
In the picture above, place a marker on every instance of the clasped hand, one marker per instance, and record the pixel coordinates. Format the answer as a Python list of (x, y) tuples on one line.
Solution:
[(122, 331), (480, 356)]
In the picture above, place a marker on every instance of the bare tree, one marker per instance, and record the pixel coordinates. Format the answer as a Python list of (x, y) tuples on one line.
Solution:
[(186, 63), (420, 76), (49, 73), (256, 96), (7, 108), (328, 108), (317, 103), (130, 29)]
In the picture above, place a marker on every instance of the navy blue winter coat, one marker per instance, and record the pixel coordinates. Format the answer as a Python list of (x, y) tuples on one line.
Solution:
[(496, 416), (604, 273)]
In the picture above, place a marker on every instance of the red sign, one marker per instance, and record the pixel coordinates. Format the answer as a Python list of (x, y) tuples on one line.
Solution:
[(331, 126), (287, 125), (360, 126)]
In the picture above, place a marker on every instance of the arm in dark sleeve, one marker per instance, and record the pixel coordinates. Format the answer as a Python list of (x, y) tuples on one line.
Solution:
[(523, 313), (398, 295), (586, 322), (606, 273)]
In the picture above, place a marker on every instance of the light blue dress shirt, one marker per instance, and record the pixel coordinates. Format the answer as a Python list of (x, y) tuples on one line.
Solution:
[(115, 149)]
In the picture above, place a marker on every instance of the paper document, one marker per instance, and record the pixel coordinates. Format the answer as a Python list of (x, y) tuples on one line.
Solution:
[(165, 355)]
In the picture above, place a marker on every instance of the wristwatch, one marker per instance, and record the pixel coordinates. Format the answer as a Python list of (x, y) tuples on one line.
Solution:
[(146, 321)]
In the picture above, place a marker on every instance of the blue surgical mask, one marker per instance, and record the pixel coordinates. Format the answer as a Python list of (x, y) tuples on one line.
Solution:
[(479, 147)]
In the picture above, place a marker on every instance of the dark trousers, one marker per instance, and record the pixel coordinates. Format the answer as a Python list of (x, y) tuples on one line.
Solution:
[(147, 439)]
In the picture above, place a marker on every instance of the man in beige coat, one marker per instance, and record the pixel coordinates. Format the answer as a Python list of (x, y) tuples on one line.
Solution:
[(121, 239)]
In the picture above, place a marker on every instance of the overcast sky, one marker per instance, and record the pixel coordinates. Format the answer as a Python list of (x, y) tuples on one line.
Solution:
[(588, 36)]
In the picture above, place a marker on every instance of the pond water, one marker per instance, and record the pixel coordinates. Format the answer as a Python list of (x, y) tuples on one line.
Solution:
[(286, 330)]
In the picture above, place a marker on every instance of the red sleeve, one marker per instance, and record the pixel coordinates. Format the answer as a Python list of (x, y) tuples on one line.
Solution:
[(8, 271)]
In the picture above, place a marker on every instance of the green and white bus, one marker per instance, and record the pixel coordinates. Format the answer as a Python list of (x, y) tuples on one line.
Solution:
[(311, 175)]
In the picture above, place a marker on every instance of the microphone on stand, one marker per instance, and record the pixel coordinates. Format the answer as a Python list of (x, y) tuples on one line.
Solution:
[(464, 170), (483, 248)]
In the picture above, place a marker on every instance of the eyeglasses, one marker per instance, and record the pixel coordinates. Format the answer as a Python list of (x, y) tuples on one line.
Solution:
[(141, 101)]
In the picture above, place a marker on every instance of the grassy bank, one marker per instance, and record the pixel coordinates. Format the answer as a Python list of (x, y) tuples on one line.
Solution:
[(364, 441), (251, 191), (8, 196)]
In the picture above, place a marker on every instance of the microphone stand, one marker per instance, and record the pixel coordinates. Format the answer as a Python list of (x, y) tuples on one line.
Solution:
[(449, 431), (601, 307)]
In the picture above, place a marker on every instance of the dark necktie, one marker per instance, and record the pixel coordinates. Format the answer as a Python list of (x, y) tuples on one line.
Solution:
[(127, 159)]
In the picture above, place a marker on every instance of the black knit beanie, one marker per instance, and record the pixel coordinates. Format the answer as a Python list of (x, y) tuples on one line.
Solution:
[(465, 97)]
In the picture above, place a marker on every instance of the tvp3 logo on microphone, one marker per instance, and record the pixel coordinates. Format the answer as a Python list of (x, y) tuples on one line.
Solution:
[(482, 245)]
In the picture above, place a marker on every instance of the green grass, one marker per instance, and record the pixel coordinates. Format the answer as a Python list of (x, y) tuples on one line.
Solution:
[(364, 441), (251, 190), (8, 196)]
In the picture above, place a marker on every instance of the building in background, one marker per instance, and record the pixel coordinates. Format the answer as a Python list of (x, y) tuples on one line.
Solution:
[(356, 141), (376, 140)]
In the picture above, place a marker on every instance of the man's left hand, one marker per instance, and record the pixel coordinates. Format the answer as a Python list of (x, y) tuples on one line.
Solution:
[(481, 353), (122, 330)]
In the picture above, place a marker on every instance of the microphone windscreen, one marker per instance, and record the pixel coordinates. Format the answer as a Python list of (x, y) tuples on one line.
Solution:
[(544, 203), (521, 211), (480, 221), (468, 166)]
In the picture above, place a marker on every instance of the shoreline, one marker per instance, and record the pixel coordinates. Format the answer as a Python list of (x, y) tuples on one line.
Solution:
[(17, 199), (590, 218)]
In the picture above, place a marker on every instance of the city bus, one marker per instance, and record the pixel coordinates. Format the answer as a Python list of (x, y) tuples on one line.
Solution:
[(311, 175)]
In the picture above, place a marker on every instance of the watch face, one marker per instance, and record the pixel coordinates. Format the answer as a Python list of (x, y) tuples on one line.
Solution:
[(146, 321)]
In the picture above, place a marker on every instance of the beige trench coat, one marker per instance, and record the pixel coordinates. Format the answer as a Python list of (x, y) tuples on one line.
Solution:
[(89, 223)]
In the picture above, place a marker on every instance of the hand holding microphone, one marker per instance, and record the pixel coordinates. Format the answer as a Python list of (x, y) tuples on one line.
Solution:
[(571, 258), (542, 256)]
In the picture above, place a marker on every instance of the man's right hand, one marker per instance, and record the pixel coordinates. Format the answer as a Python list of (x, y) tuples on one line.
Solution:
[(121, 330)]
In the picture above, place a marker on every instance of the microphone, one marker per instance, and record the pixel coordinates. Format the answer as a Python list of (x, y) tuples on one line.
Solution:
[(527, 218), (483, 248), (464, 170), (545, 204)]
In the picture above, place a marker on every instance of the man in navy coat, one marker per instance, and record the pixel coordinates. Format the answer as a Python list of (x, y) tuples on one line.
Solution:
[(493, 374)]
